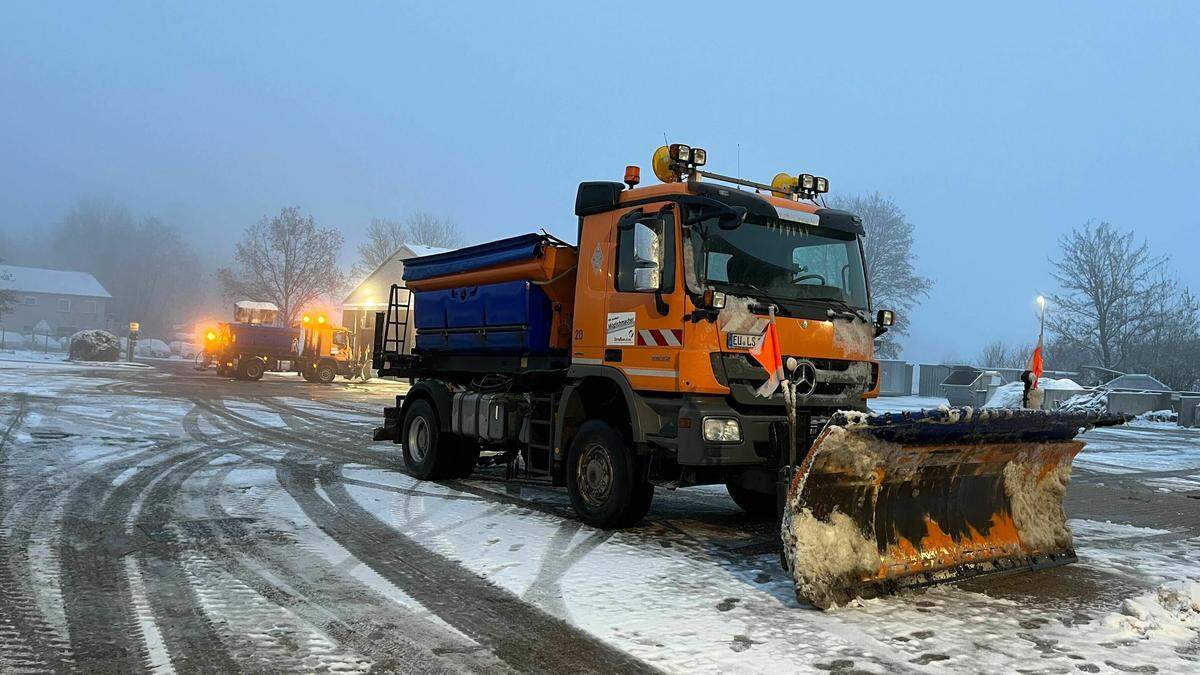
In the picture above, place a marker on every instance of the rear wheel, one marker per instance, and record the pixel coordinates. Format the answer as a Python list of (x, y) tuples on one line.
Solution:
[(252, 369), (428, 454), (604, 483), (326, 372), (752, 502)]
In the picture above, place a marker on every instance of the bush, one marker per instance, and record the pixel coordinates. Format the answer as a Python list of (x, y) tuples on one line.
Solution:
[(94, 345)]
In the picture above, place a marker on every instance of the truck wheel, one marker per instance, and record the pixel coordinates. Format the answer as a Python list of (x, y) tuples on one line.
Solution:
[(326, 373), (427, 453), (252, 370), (753, 503), (603, 480)]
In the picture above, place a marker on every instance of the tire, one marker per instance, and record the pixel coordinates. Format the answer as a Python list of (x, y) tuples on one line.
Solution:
[(252, 369), (428, 454), (607, 489), (753, 503), (326, 373)]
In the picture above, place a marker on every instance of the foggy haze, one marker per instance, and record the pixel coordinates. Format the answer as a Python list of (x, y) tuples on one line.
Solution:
[(995, 130)]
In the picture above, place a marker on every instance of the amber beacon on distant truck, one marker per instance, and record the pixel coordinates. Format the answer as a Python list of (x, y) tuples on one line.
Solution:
[(626, 362)]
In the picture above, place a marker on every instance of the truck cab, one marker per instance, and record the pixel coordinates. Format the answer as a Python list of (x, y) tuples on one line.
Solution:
[(327, 350)]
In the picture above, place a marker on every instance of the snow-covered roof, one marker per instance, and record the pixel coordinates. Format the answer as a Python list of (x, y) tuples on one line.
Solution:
[(419, 251), (1137, 382), (372, 292), (250, 304), (58, 282)]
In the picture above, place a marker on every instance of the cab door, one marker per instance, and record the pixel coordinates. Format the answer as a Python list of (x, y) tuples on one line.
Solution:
[(644, 303)]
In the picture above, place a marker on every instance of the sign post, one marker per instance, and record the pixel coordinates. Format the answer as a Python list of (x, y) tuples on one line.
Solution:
[(132, 341)]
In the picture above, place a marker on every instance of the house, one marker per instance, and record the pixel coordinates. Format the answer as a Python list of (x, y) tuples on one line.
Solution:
[(371, 296), (54, 302)]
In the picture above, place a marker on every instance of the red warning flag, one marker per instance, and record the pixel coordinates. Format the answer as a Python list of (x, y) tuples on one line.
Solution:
[(770, 356), (1036, 365)]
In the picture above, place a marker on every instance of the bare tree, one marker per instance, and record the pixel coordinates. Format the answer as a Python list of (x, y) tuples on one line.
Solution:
[(7, 298), (1111, 290), (427, 229), (1169, 347), (286, 260), (145, 265), (891, 262), (1000, 354), (384, 237)]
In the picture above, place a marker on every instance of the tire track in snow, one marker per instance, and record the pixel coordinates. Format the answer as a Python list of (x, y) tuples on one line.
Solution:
[(345, 609), (26, 640), (523, 636)]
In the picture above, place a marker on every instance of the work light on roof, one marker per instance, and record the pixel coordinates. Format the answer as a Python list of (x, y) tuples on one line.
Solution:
[(822, 184), (808, 182), (681, 152), (699, 156)]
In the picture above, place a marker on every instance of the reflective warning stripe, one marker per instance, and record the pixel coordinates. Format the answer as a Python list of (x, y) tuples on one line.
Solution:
[(660, 337)]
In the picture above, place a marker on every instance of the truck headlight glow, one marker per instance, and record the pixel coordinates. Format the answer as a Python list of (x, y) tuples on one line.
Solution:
[(722, 430)]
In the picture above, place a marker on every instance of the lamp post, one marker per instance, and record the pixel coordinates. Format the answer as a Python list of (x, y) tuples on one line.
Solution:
[(1041, 301)]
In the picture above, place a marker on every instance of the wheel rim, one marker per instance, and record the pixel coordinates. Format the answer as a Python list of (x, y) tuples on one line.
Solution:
[(418, 439), (594, 475)]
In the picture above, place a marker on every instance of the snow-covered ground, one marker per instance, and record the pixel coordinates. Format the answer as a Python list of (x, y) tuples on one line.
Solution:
[(158, 518)]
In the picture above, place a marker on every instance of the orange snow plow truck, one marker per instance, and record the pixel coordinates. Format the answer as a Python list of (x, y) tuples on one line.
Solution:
[(629, 361)]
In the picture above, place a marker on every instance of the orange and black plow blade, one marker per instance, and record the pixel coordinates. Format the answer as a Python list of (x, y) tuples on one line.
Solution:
[(883, 502)]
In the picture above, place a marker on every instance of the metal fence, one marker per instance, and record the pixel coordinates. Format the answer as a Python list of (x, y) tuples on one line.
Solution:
[(895, 378)]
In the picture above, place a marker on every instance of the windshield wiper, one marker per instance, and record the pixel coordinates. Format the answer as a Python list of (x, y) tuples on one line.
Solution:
[(848, 311), (756, 289)]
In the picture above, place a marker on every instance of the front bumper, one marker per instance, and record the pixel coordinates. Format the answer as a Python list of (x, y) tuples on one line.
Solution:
[(760, 434)]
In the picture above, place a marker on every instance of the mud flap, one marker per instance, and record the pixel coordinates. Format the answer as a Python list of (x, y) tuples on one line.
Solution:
[(390, 431), (883, 502)]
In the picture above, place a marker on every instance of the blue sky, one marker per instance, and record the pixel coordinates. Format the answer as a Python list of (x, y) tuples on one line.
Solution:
[(995, 128)]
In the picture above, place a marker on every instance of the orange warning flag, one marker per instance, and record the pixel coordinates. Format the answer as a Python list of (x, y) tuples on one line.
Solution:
[(770, 357)]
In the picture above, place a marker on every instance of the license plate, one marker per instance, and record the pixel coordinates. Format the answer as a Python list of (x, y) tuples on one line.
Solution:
[(741, 340)]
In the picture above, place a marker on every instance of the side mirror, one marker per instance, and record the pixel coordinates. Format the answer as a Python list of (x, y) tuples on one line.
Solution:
[(647, 258), (732, 218), (885, 318)]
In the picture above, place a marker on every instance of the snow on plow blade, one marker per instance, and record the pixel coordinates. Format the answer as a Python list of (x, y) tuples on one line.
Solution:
[(883, 502)]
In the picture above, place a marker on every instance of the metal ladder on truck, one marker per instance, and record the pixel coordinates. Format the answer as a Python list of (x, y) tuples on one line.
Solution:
[(541, 440), (391, 334)]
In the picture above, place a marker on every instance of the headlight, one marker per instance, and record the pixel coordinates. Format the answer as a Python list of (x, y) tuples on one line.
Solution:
[(681, 152), (722, 430), (699, 156)]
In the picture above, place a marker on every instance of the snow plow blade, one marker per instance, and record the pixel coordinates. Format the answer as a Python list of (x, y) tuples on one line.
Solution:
[(884, 502)]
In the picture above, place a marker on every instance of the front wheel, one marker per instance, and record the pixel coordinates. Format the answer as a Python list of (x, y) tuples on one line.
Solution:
[(326, 373), (603, 479), (753, 503)]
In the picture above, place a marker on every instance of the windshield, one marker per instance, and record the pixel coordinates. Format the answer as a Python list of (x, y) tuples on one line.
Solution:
[(788, 261)]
